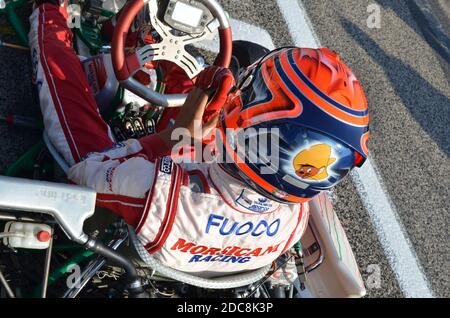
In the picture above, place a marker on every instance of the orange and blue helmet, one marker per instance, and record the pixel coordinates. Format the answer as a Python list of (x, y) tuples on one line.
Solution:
[(311, 111)]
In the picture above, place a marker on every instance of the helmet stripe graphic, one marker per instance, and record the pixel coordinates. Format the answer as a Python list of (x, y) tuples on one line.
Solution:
[(305, 79), (275, 108), (302, 88)]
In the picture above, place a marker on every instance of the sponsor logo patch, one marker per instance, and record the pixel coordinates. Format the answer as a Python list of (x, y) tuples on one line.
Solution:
[(228, 254), (35, 64), (254, 203), (225, 227), (165, 165), (109, 176), (91, 76)]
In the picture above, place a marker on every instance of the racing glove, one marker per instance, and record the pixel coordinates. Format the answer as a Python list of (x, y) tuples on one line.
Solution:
[(217, 82)]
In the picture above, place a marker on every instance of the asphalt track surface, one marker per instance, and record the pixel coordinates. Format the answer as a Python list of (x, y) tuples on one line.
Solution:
[(405, 74)]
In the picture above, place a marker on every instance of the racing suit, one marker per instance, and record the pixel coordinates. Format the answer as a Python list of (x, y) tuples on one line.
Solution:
[(194, 218)]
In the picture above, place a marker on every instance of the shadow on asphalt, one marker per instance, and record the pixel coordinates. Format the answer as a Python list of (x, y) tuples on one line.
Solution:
[(429, 107), (425, 23)]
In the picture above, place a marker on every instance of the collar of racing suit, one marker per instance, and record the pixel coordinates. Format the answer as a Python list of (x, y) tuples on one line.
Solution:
[(238, 195)]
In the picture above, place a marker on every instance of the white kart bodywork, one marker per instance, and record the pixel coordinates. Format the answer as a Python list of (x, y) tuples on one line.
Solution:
[(70, 205), (337, 274)]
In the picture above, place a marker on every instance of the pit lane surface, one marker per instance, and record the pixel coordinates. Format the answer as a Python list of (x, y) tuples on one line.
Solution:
[(404, 77)]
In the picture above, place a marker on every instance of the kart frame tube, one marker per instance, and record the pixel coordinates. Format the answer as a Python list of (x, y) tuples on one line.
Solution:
[(92, 268), (48, 258), (135, 284), (5, 285)]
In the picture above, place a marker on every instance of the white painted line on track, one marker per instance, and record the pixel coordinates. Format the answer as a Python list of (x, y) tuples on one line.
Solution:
[(393, 238), (299, 25), (392, 235)]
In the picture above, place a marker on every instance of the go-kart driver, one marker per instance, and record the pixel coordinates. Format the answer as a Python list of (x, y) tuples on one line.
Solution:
[(209, 218)]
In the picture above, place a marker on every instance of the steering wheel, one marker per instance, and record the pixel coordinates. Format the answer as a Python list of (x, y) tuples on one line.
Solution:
[(171, 48)]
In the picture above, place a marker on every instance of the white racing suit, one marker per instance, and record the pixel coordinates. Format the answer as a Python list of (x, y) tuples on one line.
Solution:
[(195, 218)]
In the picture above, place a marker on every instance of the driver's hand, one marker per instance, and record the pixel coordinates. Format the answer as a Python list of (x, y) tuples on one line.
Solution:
[(190, 117), (217, 82), (192, 113), (199, 114)]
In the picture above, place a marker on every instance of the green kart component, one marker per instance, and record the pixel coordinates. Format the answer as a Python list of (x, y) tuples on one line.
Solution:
[(8, 8), (26, 162), (81, 255), (64, 269), (111, 111), (90, 35), (89, 31), (107, 14)]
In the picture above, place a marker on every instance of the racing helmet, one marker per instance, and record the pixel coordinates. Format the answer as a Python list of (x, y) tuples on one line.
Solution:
[(302, 120)]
